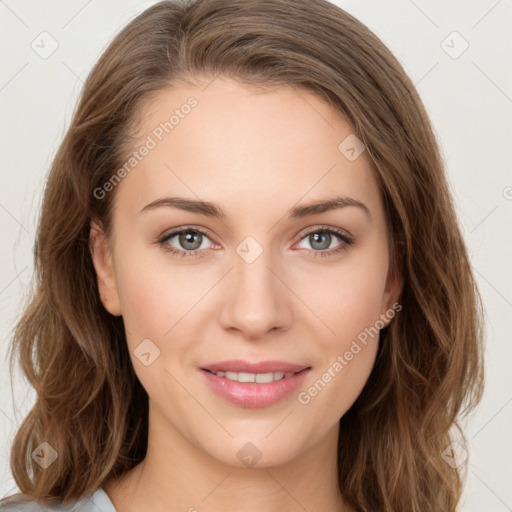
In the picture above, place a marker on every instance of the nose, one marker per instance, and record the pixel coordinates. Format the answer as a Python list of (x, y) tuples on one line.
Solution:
[(255, 298)]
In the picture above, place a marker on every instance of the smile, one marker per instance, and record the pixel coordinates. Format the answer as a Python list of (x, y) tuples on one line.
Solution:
[(246, 389), (260, 378)]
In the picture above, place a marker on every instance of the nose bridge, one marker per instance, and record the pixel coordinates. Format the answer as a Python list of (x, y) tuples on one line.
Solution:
[(256, 301)]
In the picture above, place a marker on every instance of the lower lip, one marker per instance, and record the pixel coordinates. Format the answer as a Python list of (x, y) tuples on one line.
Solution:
[(251, 394)]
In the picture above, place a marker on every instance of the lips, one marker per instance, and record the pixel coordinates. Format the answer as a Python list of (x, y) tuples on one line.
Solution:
[(258, 384)]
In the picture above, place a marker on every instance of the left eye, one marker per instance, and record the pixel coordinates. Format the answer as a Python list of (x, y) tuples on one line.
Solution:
[(320, 240)]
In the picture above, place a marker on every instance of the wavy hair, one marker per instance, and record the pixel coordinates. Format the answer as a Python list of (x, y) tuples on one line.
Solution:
[(89, 404)]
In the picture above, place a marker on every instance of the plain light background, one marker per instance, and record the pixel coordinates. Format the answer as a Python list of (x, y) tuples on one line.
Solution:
[(467, 93)]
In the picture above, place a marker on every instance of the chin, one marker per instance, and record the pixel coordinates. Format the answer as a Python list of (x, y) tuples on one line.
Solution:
[(255, 452)]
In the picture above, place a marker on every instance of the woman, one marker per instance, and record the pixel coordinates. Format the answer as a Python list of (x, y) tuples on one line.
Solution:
[(315, 345)]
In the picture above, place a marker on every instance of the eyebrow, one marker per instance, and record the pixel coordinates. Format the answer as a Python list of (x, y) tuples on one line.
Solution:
[(297, 212)]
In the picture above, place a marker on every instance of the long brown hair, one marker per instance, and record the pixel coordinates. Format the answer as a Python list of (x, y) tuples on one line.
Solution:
[(91, 408)]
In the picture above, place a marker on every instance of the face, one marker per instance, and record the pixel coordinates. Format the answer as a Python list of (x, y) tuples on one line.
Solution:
[(219, 262)]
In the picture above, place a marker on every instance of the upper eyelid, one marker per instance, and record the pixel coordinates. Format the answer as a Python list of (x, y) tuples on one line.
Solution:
[(333, 229)]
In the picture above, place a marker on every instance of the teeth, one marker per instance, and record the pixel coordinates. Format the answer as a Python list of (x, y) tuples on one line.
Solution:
[(264, 378), (246, 377), (260, 378)]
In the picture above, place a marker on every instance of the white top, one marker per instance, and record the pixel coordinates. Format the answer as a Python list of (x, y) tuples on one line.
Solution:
[(97, 502)]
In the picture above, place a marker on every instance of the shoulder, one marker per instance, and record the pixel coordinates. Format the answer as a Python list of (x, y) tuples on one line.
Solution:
[(88, 503), (21, 503)]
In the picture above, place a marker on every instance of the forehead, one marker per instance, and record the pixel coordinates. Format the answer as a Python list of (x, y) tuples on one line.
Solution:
[(229, 142)]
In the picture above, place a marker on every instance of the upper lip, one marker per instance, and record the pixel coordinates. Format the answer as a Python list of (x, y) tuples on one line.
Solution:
[(239, 365)]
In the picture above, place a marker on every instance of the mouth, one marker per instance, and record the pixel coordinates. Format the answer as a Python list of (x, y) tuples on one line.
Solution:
[(259, 378), (254, 384)]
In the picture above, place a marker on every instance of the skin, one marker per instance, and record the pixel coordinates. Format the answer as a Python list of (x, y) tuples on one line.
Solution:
[(256, 154)]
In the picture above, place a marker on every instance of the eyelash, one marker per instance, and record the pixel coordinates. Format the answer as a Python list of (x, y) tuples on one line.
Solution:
[(346, 242)]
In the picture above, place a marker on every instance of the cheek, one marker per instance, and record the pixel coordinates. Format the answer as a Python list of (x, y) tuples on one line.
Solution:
[(358, 302), (154, 294), (351, 312), (155, 302), (353, 315), (347, 299)]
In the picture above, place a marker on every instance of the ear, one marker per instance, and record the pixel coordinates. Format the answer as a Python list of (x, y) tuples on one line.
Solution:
[(102, 260), (394, 286)]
